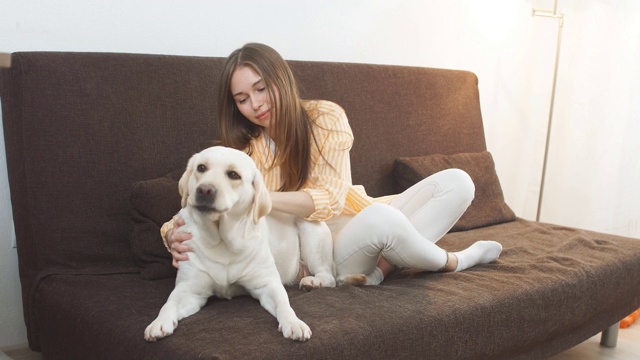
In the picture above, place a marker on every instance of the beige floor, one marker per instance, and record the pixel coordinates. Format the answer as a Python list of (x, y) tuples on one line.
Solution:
[(628, 349)]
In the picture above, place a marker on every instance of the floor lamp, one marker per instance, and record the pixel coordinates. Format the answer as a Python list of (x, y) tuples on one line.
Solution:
[(560, 19)]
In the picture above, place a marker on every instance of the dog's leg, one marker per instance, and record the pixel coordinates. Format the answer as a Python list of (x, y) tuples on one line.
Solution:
[(273, 297), (188, 297), (316, 251)]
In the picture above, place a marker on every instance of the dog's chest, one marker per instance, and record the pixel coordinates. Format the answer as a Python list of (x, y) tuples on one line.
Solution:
[(222, 265), (223, 271), (227, 268)]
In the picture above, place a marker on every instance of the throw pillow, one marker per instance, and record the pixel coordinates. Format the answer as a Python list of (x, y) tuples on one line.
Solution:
[(488, 206), (153, 202)]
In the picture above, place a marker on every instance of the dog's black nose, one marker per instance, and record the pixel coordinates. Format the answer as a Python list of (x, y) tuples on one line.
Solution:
[(205, 194)]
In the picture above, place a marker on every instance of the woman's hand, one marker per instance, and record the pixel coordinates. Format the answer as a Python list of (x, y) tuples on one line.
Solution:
[(175, 241)]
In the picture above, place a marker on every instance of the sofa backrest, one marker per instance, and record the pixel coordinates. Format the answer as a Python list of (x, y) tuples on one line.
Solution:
[(81, 128)]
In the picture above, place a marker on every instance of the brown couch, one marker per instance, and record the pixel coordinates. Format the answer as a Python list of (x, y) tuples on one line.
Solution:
[(95, 143)]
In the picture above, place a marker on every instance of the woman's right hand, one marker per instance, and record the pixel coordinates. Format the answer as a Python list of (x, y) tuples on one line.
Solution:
[(176, 240)]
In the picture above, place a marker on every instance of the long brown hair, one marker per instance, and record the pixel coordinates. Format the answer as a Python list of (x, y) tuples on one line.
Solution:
[(293, 127)]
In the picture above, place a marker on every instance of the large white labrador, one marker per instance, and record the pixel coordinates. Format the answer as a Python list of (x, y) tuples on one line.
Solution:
[(237, 249)]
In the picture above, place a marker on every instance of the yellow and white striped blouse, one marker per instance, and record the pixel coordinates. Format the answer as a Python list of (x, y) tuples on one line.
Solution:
[(330, 183)]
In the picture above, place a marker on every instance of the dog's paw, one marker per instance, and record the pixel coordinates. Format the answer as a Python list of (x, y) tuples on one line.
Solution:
[(352, 279), (159, 329), (295, 329), (309, 283), (315, 282)]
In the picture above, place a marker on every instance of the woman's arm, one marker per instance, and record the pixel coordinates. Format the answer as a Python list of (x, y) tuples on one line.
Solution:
[(298, 203), (330, 178)]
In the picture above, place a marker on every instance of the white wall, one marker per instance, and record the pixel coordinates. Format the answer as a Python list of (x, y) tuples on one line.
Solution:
[(594, 165), (594, 170)]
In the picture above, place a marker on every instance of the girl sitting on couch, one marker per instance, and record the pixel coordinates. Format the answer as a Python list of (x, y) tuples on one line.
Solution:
[(301, 147)]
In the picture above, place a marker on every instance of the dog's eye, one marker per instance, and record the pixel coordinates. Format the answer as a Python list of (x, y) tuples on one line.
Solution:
[(233, 175), (202, 168)]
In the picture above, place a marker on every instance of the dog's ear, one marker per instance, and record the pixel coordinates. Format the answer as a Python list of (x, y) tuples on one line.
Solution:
[(183, 184), (262, 199)]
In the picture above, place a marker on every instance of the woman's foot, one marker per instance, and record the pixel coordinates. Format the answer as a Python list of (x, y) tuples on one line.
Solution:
[(481, 252)]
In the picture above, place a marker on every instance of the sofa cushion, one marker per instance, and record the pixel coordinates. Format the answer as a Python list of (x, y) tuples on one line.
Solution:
[(153, 202), (488, 206)]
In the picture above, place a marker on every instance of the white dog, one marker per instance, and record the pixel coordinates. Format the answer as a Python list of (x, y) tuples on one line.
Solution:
[(237, 249)]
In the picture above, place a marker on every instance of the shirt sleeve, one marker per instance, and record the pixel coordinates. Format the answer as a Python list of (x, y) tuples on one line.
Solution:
[(330, 178), (163, 232)]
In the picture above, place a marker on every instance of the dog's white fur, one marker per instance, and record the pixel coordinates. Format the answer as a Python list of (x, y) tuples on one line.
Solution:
[(237, 249)]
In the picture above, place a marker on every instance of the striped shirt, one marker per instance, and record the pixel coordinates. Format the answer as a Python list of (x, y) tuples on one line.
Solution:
[(329, 183)]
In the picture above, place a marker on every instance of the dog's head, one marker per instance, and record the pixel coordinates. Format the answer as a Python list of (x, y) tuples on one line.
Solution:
[(221, 180)]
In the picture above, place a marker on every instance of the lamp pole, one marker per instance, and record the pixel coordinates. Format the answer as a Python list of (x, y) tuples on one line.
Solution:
[(560, 19)]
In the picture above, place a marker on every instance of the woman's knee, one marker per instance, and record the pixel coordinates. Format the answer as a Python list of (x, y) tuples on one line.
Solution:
[(461, 183)]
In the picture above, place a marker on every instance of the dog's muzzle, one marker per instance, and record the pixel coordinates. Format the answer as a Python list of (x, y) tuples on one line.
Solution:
[(205, 196)]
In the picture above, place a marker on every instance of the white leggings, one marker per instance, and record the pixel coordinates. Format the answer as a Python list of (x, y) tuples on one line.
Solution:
[(406, 230)]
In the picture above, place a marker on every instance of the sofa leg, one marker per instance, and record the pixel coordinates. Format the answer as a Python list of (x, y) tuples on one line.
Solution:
[(609, 336)]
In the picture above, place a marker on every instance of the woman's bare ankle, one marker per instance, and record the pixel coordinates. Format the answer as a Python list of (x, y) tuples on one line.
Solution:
[(452, 263), (385, 266)]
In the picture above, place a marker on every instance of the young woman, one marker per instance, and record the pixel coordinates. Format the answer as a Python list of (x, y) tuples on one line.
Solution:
[(302, 149)]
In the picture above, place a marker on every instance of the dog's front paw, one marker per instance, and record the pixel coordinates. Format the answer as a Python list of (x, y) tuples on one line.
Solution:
[(159, 329), (353, 279), (295, 329)]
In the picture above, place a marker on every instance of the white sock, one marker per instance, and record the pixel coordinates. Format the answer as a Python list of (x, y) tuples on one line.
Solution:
[(375, 277), (481, 252)]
